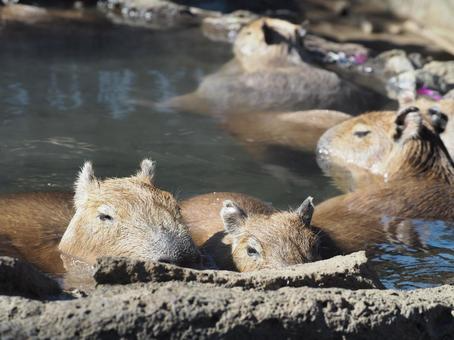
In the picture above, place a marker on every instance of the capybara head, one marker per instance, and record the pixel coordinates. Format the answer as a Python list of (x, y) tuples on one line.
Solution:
[(368, 140), (270, 241), (418, 150), (128, 217), (268, 41)]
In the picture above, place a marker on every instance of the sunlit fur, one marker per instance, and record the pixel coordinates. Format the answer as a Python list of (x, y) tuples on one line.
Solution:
[(279, 237), (342, 146), (418, 184), (143, 221)]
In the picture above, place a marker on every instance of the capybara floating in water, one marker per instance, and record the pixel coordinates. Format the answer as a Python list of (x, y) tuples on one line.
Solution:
[(366, 141), (418, 185), (113, 217), (269, 73), (127, 217), (239, 231)]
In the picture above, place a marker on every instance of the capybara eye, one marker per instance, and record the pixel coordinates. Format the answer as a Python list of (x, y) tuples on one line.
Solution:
[(252, 251), (361, 134), (105, 217)]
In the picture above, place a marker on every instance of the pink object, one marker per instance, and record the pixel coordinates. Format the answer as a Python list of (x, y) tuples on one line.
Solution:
[(360, 58), (425, 91)]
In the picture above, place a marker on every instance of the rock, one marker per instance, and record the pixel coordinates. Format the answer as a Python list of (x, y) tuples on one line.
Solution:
[(155, 14), (21, 278), (226, 27), (449, 95), (443, 70), (394, 62), (352, 271), (401, 85), (193, 310)]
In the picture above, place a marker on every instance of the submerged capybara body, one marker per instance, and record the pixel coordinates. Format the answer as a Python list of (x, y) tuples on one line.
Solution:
[(268, 73), (238, 231), (114, 217), (366, 141), (31, 226), (299, 130)]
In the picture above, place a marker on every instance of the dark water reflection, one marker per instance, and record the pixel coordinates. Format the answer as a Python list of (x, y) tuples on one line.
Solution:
[(71, 95)]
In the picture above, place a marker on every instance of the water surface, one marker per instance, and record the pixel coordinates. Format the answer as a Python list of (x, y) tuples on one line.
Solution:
[(73, 94)]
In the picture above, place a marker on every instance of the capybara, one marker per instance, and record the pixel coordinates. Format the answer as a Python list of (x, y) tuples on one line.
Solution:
[(367, 140), (418, 178), (417, 183), (299, 130), (239, 231), (269, 73), (31, 226), (113, 217), (127, 217)]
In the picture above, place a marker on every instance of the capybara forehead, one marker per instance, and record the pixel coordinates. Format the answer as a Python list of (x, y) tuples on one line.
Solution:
[(130, 191), (374, 121), (270, 227), (283, 237)]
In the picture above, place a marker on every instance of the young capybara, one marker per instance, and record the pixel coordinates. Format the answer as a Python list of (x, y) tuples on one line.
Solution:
[(367, 140), (243, 237), (113, 217), (419, 177), (269, 73)]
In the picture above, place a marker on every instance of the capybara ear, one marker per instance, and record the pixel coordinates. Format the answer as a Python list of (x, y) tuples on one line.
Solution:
[(305, 211), (232, 216), (147, 170), (85, 179), (408, 123), (439, 119), (271, 36)]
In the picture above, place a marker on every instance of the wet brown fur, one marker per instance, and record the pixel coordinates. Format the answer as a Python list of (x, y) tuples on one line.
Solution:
[(340, 147), (31, 225), (295, 243), (298, 130)]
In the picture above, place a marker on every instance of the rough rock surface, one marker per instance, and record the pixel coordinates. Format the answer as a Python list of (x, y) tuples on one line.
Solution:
[(20, 278), (196, 310), (351, 271), (182, 303)]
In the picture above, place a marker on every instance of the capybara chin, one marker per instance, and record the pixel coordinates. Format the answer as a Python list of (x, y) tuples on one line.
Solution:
[(366, 141), (127, 217), (244, 234)]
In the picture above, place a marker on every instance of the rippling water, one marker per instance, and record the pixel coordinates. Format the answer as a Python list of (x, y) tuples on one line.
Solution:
[(69, 95)]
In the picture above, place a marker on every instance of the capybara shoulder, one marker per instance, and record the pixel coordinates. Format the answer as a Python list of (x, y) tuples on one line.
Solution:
[(31, 226)]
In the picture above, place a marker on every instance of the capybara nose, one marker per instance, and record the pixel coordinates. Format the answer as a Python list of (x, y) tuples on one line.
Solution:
[(166, 259), (324, 143), (193, 261)]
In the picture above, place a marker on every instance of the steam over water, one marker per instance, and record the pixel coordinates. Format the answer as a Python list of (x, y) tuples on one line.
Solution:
[(69, 95)]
